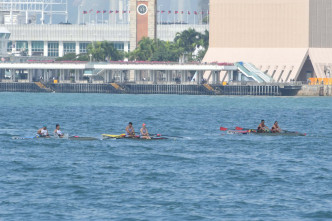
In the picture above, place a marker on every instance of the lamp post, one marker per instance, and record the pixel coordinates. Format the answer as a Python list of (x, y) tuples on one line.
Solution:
[(90, 55)]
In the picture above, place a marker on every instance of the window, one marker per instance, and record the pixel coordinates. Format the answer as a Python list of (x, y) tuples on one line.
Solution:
[(83, 47), (10, 46), (119, 46), (21, 46), (53, 49), (37, 48), (69, 48)]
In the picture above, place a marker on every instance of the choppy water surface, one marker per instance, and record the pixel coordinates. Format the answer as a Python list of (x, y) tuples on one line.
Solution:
[(203, 176)]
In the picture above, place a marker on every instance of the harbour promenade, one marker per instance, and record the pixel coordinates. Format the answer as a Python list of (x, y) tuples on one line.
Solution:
[(142, 78)]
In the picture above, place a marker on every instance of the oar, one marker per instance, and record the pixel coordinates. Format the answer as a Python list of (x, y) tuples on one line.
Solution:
[(223, 129)]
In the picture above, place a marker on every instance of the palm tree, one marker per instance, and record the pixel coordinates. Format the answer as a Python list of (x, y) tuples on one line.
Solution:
[(188, 40)]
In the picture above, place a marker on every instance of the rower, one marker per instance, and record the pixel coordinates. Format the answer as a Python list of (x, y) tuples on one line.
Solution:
[(57, 131), (144, 133), (43, 132), (262, 128), (130, 131), (275, 128)]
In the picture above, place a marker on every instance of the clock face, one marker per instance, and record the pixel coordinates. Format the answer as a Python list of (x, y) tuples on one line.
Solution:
[(142, 9)]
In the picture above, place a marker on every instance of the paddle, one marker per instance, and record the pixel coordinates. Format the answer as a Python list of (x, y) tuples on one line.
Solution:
[(223, 129)]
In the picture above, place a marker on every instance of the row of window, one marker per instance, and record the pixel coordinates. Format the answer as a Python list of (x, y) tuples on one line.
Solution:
[(37, 47)]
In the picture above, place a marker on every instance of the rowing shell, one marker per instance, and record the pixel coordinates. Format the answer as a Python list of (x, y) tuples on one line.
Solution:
[(81, 138), (123, 136), (69, 138), (283, 133)]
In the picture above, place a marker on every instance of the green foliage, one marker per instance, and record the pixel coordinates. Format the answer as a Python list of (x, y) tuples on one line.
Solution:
[(166, 51), (73, 57), (185, 43), (100, 51), (155, 50), (188, 40), (144, 51), (104, 51)]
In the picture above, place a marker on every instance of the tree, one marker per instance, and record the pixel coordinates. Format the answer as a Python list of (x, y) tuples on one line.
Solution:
[(188, 40), (166, 51), (204, 42), (144, 51), (104, 51), (96, 50), (155, 50), (111, 53)]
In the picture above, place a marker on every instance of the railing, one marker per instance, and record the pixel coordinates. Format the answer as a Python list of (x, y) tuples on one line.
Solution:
[(320, 81), (262, 75), (249, 74)]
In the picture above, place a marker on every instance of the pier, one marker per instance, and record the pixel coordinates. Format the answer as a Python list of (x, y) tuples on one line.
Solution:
[(115, 72), (134, 78)]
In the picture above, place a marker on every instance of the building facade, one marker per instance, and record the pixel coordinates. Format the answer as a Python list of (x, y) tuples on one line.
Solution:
[(4, 39), (125, 24), (286, 39)]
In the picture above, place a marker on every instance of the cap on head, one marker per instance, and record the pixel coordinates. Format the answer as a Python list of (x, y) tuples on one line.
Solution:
[(45, 126), (144, 125)]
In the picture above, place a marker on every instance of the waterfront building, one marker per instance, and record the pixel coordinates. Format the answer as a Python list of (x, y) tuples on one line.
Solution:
[(33, 32), (288, 40), (4, 39)]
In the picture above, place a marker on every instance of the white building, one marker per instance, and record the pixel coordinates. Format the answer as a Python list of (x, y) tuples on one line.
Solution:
[(4, 39), (34, 34)]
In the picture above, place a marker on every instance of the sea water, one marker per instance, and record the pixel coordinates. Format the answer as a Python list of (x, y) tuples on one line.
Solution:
[(204, 175)]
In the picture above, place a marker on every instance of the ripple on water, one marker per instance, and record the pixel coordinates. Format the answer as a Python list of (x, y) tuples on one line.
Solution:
[(202, 176)]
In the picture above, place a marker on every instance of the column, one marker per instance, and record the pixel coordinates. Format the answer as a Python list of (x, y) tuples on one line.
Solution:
[(45, 49), (151, 76), (29, 48), (61, 50), (111, 75), (169, 76), (213, 73), (77, 47), (199, 77), (183, 77), (13, 74), (230, 76), (126, 46)]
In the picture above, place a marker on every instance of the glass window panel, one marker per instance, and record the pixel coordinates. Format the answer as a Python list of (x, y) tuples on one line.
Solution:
[(69, 47), (53, 49), (83, 47)]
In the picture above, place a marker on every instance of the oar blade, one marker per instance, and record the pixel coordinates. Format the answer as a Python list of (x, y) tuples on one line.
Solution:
[(223, 129)]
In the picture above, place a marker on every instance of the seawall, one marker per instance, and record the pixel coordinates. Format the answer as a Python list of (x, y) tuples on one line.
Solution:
[(315, 90), (113, 88)]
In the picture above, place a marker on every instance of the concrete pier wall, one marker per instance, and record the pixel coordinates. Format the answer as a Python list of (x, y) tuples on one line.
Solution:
[(254, 90), (315, 90)]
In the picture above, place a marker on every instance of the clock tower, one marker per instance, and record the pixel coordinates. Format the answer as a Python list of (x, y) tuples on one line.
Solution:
[(142, 21)]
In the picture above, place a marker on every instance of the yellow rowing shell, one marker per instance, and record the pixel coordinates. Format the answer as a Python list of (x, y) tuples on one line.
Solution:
[(113, 136)]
